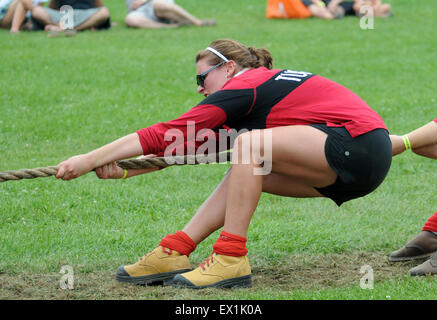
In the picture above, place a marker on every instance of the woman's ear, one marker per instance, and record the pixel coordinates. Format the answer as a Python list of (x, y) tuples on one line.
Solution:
[(231, 69)]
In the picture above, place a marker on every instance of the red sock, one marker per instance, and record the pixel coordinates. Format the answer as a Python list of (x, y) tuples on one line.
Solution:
[(431, 224), (230, 245), (179, 242)]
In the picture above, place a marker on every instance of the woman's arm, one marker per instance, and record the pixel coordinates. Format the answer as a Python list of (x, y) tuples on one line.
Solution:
[(429, 151), (397, 144), (112, 171), (423, 141), (423, 136), (177, 137), (123, 148)]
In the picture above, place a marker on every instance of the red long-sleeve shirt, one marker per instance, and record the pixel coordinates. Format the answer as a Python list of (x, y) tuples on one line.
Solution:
[(261, 98)]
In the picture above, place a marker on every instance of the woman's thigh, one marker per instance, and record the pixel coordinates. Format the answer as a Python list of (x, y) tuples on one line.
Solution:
[(288, 186), (294, 156), (319, 160), (299, 152)]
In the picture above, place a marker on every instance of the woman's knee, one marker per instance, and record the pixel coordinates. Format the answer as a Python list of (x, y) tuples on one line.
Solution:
[(131, 20), (382, 10), (28, 5), (39, 14), (104, 13)]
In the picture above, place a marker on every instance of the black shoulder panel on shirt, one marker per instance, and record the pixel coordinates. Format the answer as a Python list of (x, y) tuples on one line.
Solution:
[(235, 103), (249, 108), (279, 86), (268, 94)]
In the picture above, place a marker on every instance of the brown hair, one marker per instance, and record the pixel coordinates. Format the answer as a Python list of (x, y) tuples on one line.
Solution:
[(245, 57)]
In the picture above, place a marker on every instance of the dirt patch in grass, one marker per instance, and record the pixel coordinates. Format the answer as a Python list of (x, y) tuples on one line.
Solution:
[(309, 272), (298, 272)]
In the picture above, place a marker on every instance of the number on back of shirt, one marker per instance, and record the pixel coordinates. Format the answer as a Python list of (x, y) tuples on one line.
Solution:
[(291, 75)]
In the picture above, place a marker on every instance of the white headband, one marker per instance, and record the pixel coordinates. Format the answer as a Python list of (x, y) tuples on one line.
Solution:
[(218, 54)]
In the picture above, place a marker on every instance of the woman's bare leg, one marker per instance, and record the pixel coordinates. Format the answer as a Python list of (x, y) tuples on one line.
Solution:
[(176, 13), (40, 15), (296, 150), (320, 12), (289, 178), (382, 10), (95, 20), (7, 19), (18, 19), (211, 214), (135, 20)]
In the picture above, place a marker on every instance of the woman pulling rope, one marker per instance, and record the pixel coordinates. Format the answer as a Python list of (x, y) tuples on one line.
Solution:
[(307, 137)]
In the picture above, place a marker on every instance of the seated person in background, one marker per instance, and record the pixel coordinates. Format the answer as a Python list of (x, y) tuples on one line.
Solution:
[(335, 9), (29, 23), (379, 9), (87, 14), (326, 9), (153, 14), (12, 15), (341, 8)]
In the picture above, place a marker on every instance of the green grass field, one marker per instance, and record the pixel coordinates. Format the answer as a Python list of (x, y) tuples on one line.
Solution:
[(64, 96)]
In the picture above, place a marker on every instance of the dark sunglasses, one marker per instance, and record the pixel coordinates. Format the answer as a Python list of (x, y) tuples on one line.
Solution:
[(200, 78)]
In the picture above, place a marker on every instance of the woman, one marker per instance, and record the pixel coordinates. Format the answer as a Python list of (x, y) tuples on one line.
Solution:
[(325, 141), (423, 141)]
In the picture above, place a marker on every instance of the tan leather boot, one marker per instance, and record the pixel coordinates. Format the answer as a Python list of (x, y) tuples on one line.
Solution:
[(428, 267), (217, 271), (158, 266), (421, 247)]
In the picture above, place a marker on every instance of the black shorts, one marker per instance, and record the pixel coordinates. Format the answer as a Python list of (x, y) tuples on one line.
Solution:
[(361, 163)]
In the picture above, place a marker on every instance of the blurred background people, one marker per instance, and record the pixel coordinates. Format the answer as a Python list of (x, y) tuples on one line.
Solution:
[(87, 14), (378, 9), (327, 9), (335, 9), (153, 14)]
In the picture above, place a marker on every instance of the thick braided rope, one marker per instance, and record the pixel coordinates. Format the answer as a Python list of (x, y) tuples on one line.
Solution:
[(163, 162), (28, 173), (142, 163)]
